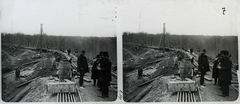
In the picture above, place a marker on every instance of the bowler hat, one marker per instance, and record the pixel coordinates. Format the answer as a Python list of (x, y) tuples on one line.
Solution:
[(225, 52), (204, 50), (83, 51)]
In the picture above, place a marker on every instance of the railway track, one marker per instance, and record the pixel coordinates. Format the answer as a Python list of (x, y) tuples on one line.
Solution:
[(65, 97), (185, 96)]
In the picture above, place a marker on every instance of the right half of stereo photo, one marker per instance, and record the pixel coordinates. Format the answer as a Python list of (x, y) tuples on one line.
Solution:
[(180, 51)]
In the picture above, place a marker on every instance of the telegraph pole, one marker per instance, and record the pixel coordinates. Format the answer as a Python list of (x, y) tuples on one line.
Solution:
[(41, 31), (164, 30)]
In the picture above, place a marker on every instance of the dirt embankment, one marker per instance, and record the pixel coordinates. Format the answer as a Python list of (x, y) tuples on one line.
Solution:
[(30, 68), (132, 91)]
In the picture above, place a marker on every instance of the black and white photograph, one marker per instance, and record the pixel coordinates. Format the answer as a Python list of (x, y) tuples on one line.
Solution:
[(58, 51), (180, 51)]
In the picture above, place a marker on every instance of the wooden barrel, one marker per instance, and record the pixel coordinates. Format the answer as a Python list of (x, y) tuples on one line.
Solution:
[(64, 69)]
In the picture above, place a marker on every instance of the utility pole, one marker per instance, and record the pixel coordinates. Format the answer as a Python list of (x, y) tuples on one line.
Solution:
[(164, 30), (41, 31)]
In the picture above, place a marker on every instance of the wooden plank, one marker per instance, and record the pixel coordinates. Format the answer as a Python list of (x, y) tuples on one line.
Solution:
[(142, 94), (236, 85), (235, 88), (175, 86), (234, 82), (114, 74), (61, 87), (114, 88), (155, 61), (69, 97), (207, 78), (60, 97), (20, 95), (79, 95), (86, 80), (63, 97), (57, 97), (24, 83), (180, 97), (33, 62), (73, 97), (148, 81), (113, 83)]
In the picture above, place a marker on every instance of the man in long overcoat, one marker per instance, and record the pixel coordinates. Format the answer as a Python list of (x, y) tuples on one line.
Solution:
[(105, 77), (215, 72), (82, 67), (95, 70), (203, 66), (226, 73)]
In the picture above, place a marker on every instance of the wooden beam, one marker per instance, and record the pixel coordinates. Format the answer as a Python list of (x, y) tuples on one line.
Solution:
[(86, 80), (178, 96), (155, 61), (114, 74), (207, 78), (24, 83), (114, 88), (236, 85), (148, 81), (20, 95), (113, 83), (235, 88), (79, 95), (60, 87), (33, 62), (175, 86), (234, 82), (142, 94)]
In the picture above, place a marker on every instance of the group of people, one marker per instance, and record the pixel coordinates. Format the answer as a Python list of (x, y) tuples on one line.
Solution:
[(101, 71), (221, 70)]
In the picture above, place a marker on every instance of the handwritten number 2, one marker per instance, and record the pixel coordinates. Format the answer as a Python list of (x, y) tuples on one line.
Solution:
[(223, 10)]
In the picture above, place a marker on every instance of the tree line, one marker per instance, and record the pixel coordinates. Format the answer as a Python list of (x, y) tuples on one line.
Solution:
[(92, 45), (213, 44)]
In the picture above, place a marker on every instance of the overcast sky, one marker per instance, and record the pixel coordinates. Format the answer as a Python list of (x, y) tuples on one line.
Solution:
[(97, 17), (190, 17), (60, 17)]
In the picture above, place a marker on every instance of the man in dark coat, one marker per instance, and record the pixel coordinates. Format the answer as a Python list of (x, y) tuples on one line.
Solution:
[(82, 67), (69, 51), (226, 73), (105, 77), (203, 66), (95, 70), (215, 73), (140, 72), (17, 73), (99, 72)]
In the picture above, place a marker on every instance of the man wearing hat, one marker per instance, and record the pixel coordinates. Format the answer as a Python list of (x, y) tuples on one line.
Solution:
[(94, 69), (82, 67), (226, 75), (105, 77), (215, 71), (203, 66)]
